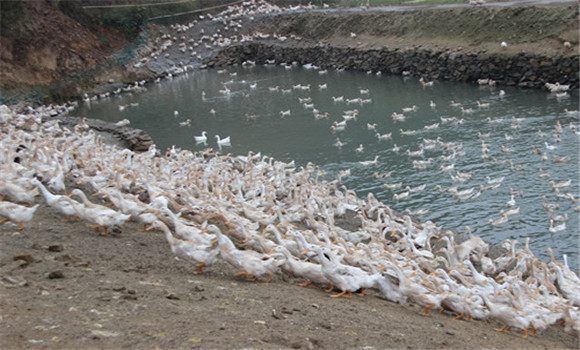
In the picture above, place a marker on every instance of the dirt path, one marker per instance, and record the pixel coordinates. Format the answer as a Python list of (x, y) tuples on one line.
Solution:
[(66, 287)]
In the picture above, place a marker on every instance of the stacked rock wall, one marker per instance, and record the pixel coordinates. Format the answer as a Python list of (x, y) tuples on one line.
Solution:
[(524, 70)]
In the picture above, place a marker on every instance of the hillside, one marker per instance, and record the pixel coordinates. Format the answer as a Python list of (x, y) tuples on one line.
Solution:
[(40, 43)]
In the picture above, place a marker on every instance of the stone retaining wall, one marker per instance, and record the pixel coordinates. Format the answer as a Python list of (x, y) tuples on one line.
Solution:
[(521, 70)]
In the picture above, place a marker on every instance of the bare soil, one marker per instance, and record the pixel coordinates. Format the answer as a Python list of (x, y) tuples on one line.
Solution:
[(49, 46)]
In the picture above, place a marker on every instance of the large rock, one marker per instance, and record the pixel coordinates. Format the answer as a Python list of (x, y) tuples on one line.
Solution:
[(134, 139)]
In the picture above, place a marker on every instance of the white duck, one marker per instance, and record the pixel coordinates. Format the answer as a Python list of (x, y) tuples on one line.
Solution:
[(568, 287), (370, 162), (59, 202), (16, 213), (202, 138), (308, 270), (290, 244), (389, 289), (557, 228), (223, 142), (15, 192), (132, 206), (345, 277), (478, 278), (99, 215), (414, 291), (200, 255), (249, 263), (187, 232), (507, 315)]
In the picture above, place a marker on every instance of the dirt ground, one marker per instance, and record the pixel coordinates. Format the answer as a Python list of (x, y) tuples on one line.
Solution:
[(64, 286)]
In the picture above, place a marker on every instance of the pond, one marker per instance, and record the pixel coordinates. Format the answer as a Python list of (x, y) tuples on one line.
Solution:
[(503, 161)]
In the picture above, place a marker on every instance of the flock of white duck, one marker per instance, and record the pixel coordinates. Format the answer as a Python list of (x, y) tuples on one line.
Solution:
[(266, 217)]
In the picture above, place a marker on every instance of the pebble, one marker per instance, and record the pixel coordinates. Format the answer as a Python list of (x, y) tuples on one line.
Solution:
[(13, 281), (56, 248), (275, 314), (97, 333), (55, 274), (172, 296), (27, 258)]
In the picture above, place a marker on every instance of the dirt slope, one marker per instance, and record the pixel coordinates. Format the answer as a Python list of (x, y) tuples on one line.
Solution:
[(43, 45)]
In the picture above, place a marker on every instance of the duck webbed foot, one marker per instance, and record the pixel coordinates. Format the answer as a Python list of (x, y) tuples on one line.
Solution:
[(251, 278), (426, 312), (200, 268), (503, 329), (105, 229), (343, 293)]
